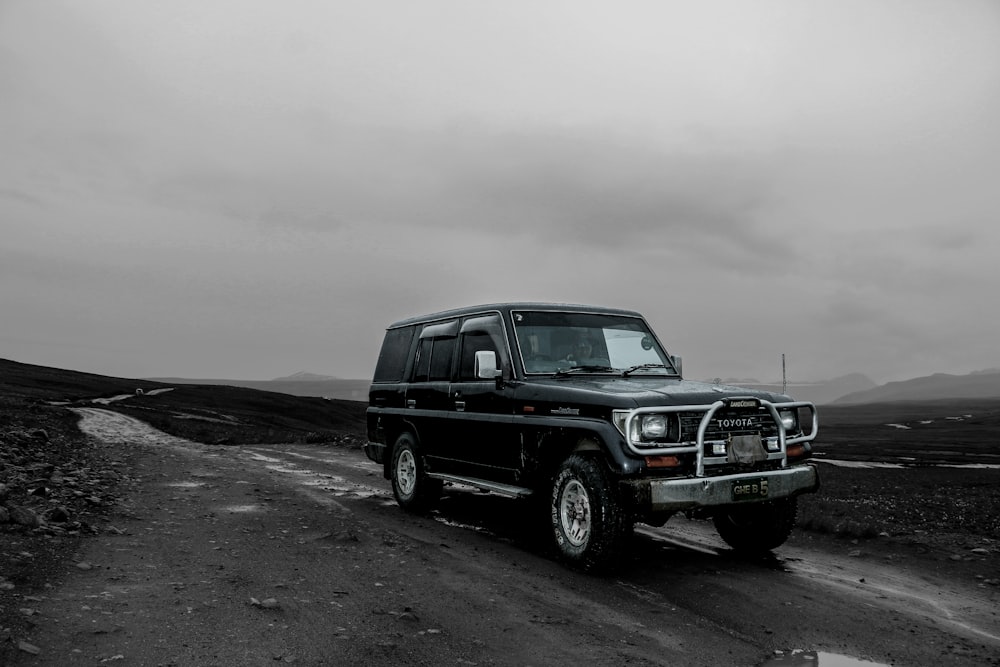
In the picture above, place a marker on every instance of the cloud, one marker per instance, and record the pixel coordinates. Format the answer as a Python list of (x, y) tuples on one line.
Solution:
[(280, 181)]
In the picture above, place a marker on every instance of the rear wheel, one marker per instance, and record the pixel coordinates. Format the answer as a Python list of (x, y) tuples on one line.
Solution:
[(589, 523), (413, 490), (759, 527)]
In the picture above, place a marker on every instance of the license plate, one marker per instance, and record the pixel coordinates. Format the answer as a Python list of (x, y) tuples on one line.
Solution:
[(749, 489)]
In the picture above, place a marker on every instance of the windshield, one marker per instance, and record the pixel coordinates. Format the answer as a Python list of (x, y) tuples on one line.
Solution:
[(551, 341)]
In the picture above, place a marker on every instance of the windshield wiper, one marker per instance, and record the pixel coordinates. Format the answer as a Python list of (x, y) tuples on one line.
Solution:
[(632, 369), (585, 369)]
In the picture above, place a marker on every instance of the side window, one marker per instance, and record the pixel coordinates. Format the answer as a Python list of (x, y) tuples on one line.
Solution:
[(392, 359), (434, 352), (441, 355), (478, 333), (422, 364), (471, 343)]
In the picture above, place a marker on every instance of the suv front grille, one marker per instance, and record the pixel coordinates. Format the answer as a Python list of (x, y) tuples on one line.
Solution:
[(727, 424)]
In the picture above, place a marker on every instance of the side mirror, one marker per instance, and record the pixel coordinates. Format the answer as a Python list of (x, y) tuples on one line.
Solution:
[(676, 361), (486, 365)]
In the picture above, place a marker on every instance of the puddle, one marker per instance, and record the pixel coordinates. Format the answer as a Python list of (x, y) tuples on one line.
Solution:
[(288, 471), (113, 399), (860, 464), (184, 485), (900, 466), (242, 509), (334, 484), (266, 459), (799, 658), (464, 526)]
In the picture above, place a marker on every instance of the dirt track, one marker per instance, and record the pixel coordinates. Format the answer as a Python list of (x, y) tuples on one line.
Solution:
[(264, 554)]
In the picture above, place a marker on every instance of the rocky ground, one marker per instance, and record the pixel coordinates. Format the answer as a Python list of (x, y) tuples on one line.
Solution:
[(59, 488)]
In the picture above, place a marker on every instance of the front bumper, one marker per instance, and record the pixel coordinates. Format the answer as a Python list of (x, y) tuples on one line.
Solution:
[(666, 495)]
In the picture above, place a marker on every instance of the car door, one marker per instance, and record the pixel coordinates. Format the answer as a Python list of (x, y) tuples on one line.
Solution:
[(427, 401), (481, 437)]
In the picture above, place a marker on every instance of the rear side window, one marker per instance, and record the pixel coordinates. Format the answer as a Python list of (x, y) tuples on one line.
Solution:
[(441, 359), (392, 359), (434, 353), (433, 360)]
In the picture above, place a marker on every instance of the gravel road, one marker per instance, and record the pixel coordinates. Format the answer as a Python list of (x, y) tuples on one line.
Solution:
[(261, 555)]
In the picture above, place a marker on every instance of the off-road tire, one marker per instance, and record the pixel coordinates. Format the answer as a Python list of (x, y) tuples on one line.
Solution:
[(414, 491), (588, 521), (759, 527)]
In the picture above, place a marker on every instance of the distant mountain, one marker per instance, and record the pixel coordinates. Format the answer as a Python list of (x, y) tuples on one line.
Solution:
[(303, 376), (347, 390), (823, 392), (981, 384)]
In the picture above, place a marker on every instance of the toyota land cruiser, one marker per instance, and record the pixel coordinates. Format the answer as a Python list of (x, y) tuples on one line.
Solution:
[(583, 406)]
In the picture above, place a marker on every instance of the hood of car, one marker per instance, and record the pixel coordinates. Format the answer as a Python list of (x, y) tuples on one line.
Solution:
[(644, 391)]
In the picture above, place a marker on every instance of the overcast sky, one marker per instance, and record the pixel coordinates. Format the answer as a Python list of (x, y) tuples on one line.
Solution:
[(245, 189)]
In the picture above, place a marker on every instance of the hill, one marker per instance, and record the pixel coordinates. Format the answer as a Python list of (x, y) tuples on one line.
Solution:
[(826, 391), (202, 412), (985, 384), (299, 384)]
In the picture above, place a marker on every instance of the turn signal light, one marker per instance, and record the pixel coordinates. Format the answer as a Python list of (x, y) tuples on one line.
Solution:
[(662, 461), (795, 450)]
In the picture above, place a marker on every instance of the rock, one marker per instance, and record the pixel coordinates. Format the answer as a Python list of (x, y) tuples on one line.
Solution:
[(57, 515), (28, 648), (4, 515), (408, 616), (980, 551), (269, 603), (4, 491), (23, 516), (41, 469)]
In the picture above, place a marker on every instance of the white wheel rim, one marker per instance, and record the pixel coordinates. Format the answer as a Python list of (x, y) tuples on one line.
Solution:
[(406, 472), (574, 513)]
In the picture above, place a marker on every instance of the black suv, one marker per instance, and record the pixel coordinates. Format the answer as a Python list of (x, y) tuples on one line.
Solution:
[(582, 406)]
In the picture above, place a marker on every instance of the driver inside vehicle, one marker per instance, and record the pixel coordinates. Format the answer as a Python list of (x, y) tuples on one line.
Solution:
[(581, 352)]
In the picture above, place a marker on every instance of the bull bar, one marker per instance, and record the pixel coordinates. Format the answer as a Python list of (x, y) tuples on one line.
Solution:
[(698, 446)]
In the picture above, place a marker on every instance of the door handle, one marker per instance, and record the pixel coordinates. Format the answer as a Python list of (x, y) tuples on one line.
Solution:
[(460, 406), (411, 403)]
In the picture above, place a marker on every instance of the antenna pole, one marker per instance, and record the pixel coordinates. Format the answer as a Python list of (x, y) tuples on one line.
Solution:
[(784, 379)]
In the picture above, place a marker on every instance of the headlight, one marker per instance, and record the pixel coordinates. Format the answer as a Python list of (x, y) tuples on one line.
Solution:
[(654, 427), (650, 427), (790, 421), (660, 427)]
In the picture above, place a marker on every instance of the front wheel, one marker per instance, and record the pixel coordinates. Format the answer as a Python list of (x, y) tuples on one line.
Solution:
[(759, 527), (588, 521), (413, 490)]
